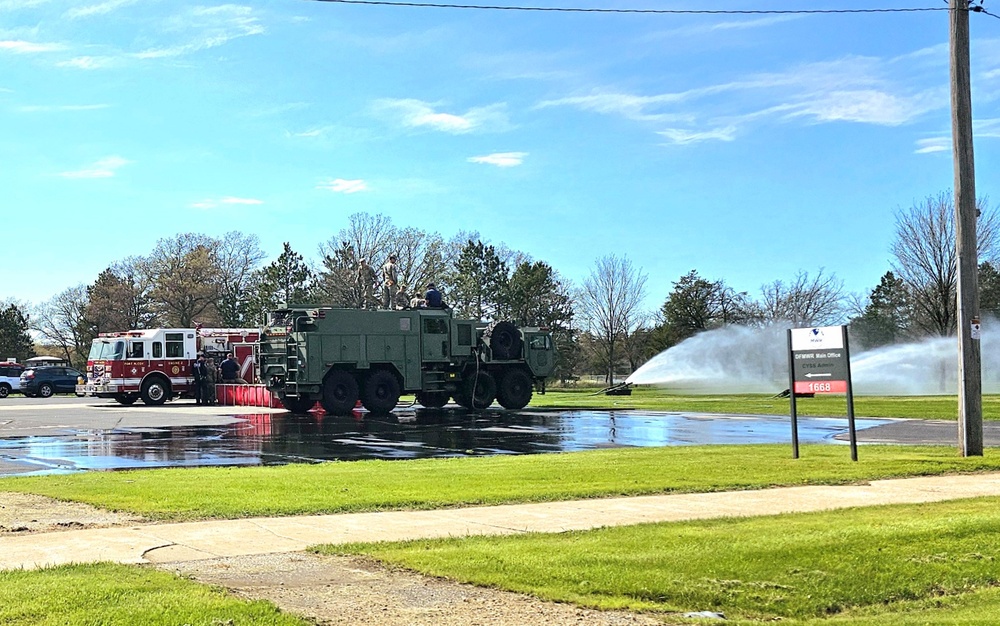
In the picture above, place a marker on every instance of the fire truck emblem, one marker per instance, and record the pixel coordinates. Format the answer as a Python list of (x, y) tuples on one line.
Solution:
[(176, 370), (135, 371)]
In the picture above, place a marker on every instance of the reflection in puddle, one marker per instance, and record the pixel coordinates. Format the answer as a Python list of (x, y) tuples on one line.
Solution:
[(275, 439)]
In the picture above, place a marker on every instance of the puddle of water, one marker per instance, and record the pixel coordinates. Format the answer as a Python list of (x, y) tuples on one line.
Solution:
[(277, 439)]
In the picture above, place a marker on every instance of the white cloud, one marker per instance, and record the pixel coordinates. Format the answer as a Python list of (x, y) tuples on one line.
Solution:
[(680, 136), (933, 144), (104, 168), (207, 27), (500, 159), (340, 185), (26, 47), (863, 90), (15, 5), (226, 200), (987, 128), (412, 113), (98, 9), (87, 63)]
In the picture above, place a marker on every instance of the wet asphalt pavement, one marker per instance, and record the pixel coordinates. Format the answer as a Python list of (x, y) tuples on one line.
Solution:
[(69, 434)]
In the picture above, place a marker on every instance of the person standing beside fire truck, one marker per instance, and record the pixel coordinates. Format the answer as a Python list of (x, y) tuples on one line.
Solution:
[(200, 374)]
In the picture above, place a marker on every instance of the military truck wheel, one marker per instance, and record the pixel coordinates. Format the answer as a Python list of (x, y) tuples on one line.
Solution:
[(478, 392), (504, 340), (514, 390), (298, 406), (381, 392), (340, 393), (432, 399), (154, 391), (126, 398)]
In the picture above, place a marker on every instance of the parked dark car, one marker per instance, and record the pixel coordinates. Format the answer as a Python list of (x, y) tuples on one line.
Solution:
[(10, 378), (45, 381)]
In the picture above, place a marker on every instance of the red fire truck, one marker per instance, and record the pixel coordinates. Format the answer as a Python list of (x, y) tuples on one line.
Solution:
[(155, 364)]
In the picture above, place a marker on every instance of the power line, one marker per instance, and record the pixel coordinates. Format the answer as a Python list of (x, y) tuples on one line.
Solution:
[(489, 7)]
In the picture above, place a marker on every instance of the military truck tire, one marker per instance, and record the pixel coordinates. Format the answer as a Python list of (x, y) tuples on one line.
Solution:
[(504, 340), (432, 399), (514, 390), (127, 399), (298, 406), (381, 392), (340, 393), (154, 391), (478, 392)]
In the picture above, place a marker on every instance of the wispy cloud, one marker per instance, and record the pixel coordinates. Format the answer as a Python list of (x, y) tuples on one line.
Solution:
[(933, 144), (852, 89), (418, 114), (88, 63), (226, 200), (341, 185), (29, 47), (103, 168), (56, 108), (680, 136), (987, 128), (16, 5), (207, 27), (101, 8), (500, 159)]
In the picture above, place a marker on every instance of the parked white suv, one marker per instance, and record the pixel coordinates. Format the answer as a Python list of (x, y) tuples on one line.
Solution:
[(10, 378)]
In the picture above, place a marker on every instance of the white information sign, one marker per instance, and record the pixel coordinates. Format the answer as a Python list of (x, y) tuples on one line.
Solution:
[(821, 338)]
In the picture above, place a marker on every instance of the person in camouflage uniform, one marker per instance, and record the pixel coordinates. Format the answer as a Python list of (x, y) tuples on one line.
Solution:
[(365, 280), (390, 279)]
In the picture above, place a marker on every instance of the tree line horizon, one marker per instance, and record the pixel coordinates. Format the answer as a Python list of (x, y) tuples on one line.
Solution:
[(599, 325)]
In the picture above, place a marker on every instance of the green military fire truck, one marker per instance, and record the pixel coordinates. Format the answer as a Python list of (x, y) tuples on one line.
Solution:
[(339, 356)]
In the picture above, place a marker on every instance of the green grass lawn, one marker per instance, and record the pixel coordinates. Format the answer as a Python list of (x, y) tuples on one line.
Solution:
[(658, 399), (336, 487), (124, 596), (933, 563)]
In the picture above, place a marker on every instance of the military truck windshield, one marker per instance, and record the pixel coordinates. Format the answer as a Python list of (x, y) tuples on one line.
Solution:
[(106, 350)]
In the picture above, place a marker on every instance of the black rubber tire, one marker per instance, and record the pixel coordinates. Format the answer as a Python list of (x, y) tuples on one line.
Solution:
[(45, 390), (432, 399), (127, 399), (381, 392), (340, 393), (298, 406), (4, 390), (504, 340), (514, 389), (484, 387), (461, 400), (155, 391)]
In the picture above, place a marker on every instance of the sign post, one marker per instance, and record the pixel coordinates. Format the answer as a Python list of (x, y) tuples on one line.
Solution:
[(819, 362)]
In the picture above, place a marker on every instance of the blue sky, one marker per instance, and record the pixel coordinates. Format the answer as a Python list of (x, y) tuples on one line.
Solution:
[(748, 147)]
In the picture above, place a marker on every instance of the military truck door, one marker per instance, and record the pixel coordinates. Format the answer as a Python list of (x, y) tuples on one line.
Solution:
[(540, 357), (434, 338)]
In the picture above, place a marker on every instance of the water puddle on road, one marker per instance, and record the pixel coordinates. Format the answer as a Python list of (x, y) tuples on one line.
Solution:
[(276, 439)]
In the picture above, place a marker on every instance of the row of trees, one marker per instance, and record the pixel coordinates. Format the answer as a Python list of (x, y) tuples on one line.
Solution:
[(600, 325)]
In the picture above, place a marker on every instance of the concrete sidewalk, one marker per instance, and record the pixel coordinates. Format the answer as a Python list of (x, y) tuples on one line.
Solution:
[(164, 543)]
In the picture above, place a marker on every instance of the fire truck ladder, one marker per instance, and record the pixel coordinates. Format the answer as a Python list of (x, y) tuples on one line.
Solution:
[(291, 368)]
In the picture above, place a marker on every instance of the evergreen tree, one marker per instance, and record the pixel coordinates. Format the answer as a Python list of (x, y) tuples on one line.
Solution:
[(15, 340)]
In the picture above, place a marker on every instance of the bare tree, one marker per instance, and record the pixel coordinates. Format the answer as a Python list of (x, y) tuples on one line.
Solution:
[(61, 322), (609, 302), (238, 256), (120, 298), (804, 301), (185, 274), (366, 237), (925, 258)]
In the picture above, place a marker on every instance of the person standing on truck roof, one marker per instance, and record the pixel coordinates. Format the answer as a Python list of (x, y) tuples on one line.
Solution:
[(432, 297), (365, 280), (230, 369), (199, 373), (390, 278)]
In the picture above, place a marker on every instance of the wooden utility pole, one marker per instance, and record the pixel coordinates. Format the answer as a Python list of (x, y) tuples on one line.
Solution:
[(970, 376)]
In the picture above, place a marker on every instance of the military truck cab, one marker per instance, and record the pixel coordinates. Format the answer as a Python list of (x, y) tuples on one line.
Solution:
[(339, 356)]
